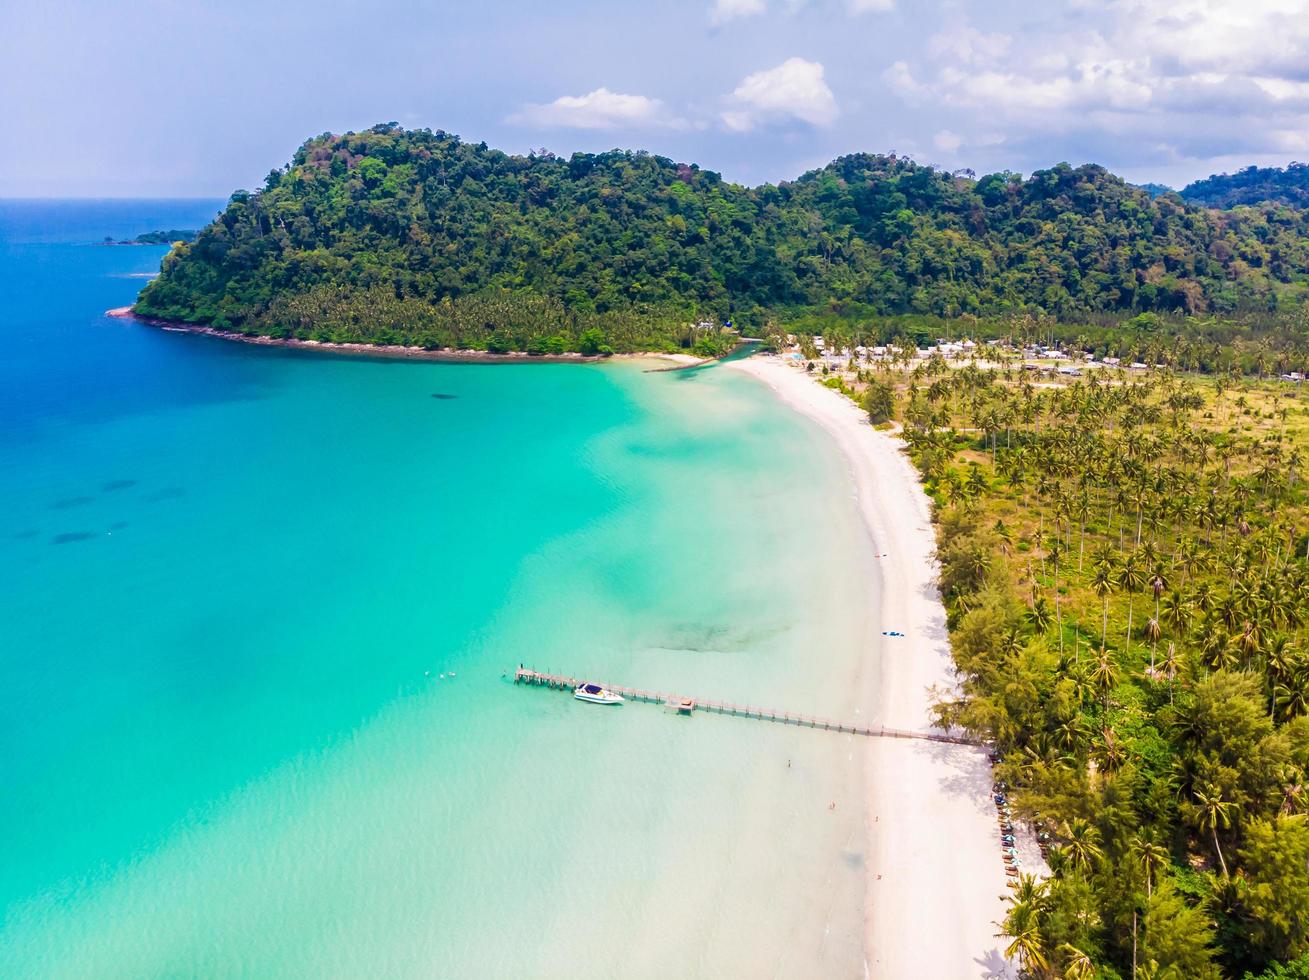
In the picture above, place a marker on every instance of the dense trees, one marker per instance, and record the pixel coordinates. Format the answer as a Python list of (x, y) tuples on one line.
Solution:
[(160, 237), (429, 219), (1253, 185), (165, 237)]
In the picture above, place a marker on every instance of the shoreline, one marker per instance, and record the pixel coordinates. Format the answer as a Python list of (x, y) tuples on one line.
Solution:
[(935, 886), (447, 355)]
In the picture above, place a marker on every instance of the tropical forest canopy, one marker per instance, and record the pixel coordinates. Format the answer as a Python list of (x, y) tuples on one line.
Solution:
[(1125, 569), (1253, 186), (417, 237)]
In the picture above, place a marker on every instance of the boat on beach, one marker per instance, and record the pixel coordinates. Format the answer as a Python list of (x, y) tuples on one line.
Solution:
[(596, 694)]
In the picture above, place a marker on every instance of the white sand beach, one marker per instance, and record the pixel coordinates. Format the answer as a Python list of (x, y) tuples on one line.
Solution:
[(936, 878)]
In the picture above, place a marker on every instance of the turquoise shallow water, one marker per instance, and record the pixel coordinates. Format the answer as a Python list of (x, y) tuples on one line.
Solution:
[(256, 609)]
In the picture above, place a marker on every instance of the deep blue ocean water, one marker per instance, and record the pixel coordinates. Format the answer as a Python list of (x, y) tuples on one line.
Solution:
[(256, 612)]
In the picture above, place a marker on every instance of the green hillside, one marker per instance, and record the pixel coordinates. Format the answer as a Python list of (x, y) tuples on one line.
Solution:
[(1253, 186), (413, 236)]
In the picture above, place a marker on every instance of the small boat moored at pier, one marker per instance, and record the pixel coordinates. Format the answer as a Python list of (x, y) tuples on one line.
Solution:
[(596, 694)]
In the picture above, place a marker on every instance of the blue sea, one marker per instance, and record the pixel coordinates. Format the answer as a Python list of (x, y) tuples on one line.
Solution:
[(259, 616)]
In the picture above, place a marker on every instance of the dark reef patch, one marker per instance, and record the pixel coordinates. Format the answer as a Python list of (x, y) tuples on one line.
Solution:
[(68, 503), (442, 396), (68, 537)]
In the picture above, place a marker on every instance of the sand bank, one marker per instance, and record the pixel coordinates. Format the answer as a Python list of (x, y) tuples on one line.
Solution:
[(936, 878)]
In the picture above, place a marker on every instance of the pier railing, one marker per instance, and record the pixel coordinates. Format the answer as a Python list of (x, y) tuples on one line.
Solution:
[(686, 704)]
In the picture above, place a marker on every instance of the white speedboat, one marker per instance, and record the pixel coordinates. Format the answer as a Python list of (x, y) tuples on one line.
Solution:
[(596, 694)]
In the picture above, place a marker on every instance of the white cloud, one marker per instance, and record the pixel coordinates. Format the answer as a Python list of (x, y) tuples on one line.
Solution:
[(1284, 89), (1218, 35), (1153, 78), (794, 90), (901, 79), (725, 10), (968, 45), (1290, 141), (870, 6), (601, 109), (947, 142)]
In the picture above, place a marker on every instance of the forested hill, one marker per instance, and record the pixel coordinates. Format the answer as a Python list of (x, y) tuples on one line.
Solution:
[(415, 236), (1253, 185)]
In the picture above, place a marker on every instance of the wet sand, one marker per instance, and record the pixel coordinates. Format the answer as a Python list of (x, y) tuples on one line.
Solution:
[(936, 878)]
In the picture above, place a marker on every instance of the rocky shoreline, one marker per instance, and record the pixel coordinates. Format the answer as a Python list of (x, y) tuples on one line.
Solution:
[(395, 351)]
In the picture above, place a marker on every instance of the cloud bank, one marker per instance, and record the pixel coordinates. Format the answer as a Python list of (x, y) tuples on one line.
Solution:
[(793, 91), (600, 109), (1183, 79)]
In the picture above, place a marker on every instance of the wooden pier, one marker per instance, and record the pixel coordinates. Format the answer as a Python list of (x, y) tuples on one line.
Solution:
[(685, 705)]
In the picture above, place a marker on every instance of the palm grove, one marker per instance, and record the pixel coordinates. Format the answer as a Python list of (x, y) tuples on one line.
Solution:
[(1126, 574)]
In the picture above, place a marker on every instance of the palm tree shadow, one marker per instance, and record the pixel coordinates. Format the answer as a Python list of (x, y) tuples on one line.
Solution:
[(995, 966), (965, 772)]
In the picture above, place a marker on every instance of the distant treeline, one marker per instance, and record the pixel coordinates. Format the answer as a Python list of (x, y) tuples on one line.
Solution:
[(1253, 186), (154, 238), (1248, 344)]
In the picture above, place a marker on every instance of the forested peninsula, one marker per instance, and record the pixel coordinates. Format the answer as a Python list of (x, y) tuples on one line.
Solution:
[(414, 237)]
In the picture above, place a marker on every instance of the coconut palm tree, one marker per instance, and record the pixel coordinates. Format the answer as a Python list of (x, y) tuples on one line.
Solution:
[(1039, 613), (1218, 651), (1215, 814), (1151, 856), (1112, 755), (1177, 610), (1281, 604), (1102, 583), (1028, 947), (1152, 633), (1280, 661), (1291, 696), (1130, 578), (1170, 666), (1293, 797), (1082, 843), (1158, 582), (1247, 641), (1077, 965), (1104, 675), (1028, 907), (1005, 535)]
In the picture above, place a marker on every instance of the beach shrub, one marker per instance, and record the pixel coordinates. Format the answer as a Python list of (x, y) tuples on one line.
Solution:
[(879, 401), (1176, 938), (1274, 890), (1297, 969), (966, 561), (592, 341)]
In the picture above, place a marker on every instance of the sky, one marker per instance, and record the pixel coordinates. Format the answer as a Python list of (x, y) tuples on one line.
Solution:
[(163, 98)]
